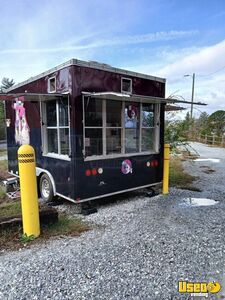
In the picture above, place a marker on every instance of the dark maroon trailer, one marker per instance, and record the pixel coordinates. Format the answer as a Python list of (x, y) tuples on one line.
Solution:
[(96, 130)]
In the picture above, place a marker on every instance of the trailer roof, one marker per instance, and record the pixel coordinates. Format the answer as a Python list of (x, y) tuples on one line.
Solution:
[(88, 64)]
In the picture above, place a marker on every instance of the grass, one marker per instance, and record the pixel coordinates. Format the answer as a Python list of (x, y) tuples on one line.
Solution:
[(179, 178), (4, 169), (3, 152), (3, 175), (10, 209), (65, 226), (2, 192), (14, 239)]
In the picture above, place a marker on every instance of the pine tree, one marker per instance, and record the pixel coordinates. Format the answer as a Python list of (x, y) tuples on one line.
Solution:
[(5, 84)]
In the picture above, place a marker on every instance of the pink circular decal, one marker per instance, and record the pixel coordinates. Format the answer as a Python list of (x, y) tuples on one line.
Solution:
[(126, 167)]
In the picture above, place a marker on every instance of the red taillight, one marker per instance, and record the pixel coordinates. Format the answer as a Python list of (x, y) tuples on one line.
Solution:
[(94, 172), (154, 163), (88, 173)]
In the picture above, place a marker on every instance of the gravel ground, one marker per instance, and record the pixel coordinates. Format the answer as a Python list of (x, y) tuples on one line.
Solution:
[(142, 247)]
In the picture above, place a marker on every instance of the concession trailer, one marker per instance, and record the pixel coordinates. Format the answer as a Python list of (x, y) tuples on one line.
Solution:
[(96, 130)]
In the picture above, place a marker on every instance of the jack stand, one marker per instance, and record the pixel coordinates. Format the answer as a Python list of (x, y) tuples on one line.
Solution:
[(57, 201), (12, 187), (87, 208), (151, 192)]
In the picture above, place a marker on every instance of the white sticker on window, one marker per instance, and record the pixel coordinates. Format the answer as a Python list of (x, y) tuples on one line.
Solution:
[(87, 142)]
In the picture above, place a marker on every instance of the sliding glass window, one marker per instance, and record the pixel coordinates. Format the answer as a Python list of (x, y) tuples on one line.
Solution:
[(93, 127), (115, 128), (147, 127), (55, 127)]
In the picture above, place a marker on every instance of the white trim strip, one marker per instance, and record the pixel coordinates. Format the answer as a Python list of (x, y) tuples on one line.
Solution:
[(118, 192), (107, 195)]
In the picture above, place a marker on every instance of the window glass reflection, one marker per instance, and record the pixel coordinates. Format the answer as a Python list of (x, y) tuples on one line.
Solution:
[(93, 112), (147, 115)]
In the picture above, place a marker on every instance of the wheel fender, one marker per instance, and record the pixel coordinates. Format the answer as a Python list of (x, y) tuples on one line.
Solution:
[(40, 171)]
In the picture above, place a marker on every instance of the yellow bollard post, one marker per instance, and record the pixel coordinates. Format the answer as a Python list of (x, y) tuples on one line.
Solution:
[(166, 161), (28, 188)]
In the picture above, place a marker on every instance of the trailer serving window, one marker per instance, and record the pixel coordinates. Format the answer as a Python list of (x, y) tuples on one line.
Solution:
[(114, 128), (55, 128)]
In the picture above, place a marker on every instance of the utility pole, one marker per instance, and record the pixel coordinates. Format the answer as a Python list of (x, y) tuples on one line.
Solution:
[(192, 94)]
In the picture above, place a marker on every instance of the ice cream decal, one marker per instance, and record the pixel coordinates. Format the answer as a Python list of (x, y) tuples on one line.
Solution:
[(22, 130), (126, 167)]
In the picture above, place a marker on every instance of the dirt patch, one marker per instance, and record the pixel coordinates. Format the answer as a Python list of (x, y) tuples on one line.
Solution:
[(207, 170), (186, 155), (13, 239), (190, 188)]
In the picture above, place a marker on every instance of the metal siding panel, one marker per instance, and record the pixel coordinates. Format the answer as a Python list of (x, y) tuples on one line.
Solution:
[(112, 179), (102, 81)]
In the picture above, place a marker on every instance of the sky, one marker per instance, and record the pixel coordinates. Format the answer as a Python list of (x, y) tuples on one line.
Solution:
[(168, 39)]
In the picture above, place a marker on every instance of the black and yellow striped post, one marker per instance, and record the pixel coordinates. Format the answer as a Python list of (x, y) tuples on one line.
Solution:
[(28, 188), (166, 161)]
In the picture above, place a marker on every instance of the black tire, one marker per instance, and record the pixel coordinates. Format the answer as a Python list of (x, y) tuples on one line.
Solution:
[(45, 188)]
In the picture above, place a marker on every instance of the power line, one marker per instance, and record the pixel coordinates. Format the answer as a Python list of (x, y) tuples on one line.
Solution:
[(206, 75)]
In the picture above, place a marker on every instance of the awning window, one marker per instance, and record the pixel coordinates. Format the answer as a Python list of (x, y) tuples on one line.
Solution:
[(136, 98), (31, 96)]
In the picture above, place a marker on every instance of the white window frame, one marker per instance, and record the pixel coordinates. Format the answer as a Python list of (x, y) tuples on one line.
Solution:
[(93, 127), (103, 127), (49, 79), (156, 112), (126, 92), (112, 127), (44, 129)]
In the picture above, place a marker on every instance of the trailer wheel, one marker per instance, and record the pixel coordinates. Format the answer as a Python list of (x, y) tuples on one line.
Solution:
[(45, 187)]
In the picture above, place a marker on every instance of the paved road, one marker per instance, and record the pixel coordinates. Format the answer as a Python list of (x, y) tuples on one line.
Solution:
[(208, 151), (142, 247)]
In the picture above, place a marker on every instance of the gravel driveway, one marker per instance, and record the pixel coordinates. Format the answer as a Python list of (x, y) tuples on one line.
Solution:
[(142, 247)]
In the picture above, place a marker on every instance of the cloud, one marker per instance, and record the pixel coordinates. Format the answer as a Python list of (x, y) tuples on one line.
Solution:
[(203, 61), (43, 34), (208, 63), (114, 41)]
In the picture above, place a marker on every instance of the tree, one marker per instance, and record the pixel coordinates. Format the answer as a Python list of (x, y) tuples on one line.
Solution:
[(202, 124), (217, 122), (177, 131), (5, 84)]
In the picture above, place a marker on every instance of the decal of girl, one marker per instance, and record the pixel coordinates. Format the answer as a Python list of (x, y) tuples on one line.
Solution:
[(126, 167), (131, 117), (22, 130)]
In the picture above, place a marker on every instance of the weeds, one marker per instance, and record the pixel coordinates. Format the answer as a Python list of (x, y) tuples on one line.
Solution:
[(10, 209), (178, 177), (27, 238), (13, 238)]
